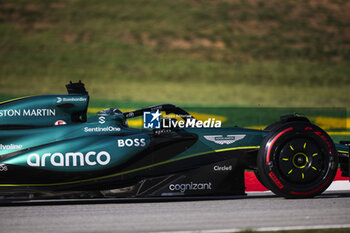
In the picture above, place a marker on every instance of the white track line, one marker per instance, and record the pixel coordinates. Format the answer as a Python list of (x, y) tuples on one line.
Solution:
[(288, 228), (339, 185)]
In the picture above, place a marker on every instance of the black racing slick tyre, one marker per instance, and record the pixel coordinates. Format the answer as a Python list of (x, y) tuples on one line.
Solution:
[(297, 160), (258, 176)]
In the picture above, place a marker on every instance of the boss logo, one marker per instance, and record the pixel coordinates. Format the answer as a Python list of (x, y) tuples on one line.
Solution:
[(137, 142), (3, 168)]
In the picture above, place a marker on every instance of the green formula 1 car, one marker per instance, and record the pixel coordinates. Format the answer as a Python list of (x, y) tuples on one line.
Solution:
[(48, 147)]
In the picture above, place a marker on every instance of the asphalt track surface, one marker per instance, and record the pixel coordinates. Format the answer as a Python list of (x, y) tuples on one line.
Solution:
[(255, 211)]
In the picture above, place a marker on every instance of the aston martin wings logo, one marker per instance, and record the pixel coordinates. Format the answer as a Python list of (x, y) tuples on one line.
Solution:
[(221, 139)]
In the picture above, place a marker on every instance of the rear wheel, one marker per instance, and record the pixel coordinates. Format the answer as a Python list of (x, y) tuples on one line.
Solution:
[(258, 176), (297, 159)]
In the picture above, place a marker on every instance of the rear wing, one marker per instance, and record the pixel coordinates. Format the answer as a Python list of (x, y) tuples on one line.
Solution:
[(76, 88), (46, 110)]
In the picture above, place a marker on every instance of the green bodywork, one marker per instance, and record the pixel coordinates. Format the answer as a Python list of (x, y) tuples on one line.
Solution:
[(29, 138)]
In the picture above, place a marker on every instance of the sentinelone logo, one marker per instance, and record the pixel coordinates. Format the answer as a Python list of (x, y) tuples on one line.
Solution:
[(152, 120)]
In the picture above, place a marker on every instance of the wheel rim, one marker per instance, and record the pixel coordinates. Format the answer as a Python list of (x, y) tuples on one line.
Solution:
[(300, 161)]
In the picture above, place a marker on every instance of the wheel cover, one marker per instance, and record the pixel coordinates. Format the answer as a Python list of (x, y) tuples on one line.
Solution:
[(300, 161)]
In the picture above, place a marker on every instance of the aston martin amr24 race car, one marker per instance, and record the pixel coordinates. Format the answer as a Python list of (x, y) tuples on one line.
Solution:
[(49, 147)]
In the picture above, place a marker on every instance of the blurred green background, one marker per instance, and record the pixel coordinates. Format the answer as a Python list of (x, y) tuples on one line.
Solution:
[(188, 52)]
